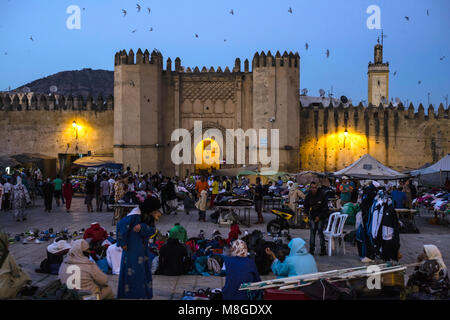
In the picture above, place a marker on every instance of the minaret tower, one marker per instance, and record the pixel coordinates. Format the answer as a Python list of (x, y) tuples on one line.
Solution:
[(378, 77)]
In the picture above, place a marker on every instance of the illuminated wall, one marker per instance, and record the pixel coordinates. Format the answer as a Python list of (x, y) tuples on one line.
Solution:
[(52, 132), (398, 138)]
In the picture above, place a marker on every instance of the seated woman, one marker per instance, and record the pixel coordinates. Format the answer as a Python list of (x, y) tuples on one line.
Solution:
[(173, 258), (298, 262), (430, 279), (91, 277), (56, 253), (12, 278), (239, 269)]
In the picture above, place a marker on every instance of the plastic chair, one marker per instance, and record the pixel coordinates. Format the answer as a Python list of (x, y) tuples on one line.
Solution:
[(335, 230), (330, 230)]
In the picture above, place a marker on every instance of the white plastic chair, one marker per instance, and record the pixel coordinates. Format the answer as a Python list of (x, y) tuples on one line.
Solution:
[(335, 230)]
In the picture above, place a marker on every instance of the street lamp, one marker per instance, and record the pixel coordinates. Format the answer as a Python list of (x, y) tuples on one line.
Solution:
[(345, 135)]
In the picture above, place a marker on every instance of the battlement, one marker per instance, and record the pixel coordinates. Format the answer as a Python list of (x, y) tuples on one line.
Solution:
[(32, 101), (290, 60), (372, 111)]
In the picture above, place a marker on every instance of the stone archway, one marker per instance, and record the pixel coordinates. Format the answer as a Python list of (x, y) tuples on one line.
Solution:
[(184, 169)]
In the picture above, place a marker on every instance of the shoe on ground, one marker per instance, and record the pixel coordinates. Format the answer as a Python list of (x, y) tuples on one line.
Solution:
[(366, 260)]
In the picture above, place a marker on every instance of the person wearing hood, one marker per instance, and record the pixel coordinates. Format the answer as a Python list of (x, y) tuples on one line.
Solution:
[(297, 263), (239, 269), (20, 198), (173, 257), (91, 278), (133, 234), (178, 232), (12, 278)]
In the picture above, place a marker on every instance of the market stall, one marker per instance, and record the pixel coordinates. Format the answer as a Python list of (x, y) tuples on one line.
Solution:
[(369, 168), (434, 175)]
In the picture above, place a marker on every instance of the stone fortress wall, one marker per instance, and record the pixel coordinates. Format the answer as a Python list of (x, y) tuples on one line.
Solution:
[(150, 102)]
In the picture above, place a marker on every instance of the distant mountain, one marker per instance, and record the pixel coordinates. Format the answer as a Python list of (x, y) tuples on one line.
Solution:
[(77, 82)]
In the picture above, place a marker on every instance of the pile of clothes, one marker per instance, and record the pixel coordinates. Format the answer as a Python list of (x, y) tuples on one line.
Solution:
[(436, 201)]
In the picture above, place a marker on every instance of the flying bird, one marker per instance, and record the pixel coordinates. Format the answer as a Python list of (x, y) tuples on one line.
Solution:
[(420, 82), (428, 12), (149, 10), (306, 46), (196, 35), (407, 18), (124, 12), (290, 10), (133, 31), (138, 7), (395, 72), (6, 53), (442, 58), (151, 29), (328, 53), (232, 11), (31, 38)]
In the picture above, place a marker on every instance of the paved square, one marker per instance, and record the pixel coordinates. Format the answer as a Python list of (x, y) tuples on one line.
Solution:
[(30, 255)]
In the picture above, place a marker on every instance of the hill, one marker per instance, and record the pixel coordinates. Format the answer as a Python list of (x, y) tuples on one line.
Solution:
[(77, 82)]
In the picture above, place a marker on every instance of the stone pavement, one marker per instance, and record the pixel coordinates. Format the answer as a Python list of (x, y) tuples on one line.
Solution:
[(30, 255)]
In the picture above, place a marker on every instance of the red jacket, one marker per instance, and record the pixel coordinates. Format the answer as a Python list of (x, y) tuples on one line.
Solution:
[(96, 233)]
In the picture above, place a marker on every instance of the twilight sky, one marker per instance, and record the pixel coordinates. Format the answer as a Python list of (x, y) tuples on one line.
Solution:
[(413, 48)]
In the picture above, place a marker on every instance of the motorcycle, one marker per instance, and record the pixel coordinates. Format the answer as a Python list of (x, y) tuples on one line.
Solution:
[(284, 221)]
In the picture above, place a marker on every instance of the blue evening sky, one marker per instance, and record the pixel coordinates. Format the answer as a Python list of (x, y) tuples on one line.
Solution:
[(413, 48)]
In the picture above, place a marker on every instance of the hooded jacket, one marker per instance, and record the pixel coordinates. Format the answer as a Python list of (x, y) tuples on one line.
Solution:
[(91, 277), (297, 263)]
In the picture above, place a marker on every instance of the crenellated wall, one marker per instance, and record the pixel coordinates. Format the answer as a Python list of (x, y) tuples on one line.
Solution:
[(43, 124), (147, 96), (400, 138)]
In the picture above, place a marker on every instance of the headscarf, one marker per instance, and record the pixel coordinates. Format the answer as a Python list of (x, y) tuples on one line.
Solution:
[(433, 253), (4, 244), (239, 249), (75, 255)]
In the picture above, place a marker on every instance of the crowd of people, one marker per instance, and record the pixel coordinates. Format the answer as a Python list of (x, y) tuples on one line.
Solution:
[(139, 250)]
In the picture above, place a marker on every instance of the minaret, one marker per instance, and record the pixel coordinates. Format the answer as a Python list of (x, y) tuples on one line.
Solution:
[(378, 78)]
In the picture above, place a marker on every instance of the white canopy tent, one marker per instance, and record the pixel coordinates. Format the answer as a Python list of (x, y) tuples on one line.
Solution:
[(434, 175), (367, 167)]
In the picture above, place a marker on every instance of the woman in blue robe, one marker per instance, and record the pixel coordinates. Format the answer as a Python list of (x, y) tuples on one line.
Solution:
[(133, 233)]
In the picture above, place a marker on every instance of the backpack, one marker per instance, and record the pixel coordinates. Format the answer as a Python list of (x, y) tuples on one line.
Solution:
[(214, 266)]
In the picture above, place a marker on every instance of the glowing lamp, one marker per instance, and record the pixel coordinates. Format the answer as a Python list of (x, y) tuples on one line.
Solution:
[(346, 133), (74, 124)]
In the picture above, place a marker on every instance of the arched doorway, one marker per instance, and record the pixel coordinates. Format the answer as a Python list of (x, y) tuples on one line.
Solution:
[(207, 154)]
